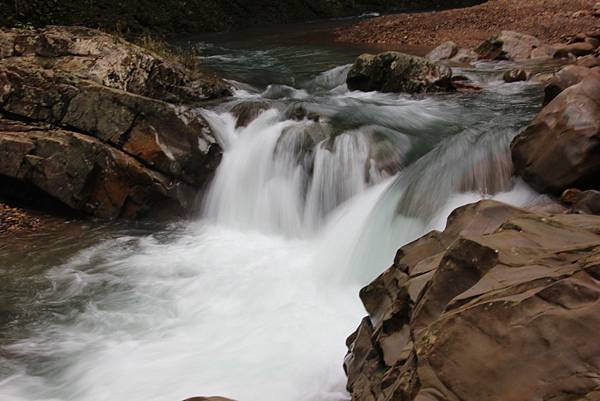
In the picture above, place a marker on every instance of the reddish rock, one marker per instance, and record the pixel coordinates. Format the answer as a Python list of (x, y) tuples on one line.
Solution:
[(560, 148), (503, 305)]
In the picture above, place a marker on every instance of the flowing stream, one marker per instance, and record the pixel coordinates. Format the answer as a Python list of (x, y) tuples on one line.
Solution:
[(253, 299)]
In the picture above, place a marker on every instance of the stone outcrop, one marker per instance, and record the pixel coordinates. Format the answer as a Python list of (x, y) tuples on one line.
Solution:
[(502, 305), (89, 90), (560, 149), (398, 72)]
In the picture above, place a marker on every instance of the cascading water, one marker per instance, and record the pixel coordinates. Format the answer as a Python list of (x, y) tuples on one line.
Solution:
[(254, 300)]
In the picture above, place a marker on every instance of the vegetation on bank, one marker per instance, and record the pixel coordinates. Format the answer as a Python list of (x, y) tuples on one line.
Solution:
[(134, 16)]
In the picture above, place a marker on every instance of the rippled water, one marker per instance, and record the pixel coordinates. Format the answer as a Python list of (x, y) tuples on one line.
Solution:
[(254, 298)]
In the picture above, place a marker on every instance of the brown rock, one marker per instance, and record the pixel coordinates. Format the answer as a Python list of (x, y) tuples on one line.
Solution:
[(246, 112), (544, 52), (589, 61), (576, 49), (565, 78), (398, 72), (508, 45), (515, 75), (560, 149), (503, 305), (110, 61), (582, 201), (464, 56), (94, 92), (85, 174), (445, 51)]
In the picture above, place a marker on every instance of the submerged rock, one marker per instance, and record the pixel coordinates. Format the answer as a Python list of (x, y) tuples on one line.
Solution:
[(398, 72), (502, 305), (515, 75), (246, 112), (561, 147), (94, 93)]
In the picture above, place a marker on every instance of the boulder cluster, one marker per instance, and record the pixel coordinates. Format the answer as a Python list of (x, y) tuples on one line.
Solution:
[(101, 125), (504, 304)]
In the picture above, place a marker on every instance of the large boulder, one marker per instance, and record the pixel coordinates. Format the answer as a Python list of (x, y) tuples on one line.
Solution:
[(508, 45), (561, 147), (398, 72), (86, 175), (565, 78), (75, 87), (502, 305)]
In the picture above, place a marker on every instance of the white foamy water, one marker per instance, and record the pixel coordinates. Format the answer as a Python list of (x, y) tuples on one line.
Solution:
[(254, 300)]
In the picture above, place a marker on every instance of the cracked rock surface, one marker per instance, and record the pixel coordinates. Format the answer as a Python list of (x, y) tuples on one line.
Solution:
[(481, 312), (102, 125)]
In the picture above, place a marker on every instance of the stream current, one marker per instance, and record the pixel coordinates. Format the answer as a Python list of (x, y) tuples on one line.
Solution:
[(253, 299)]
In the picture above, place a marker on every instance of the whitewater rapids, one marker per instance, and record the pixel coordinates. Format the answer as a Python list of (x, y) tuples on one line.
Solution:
[(254, 299)]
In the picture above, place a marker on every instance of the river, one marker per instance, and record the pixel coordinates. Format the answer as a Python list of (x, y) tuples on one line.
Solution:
[(254, 298)]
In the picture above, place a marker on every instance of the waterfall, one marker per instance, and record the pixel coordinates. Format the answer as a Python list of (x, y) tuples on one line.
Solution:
[(254, 299)]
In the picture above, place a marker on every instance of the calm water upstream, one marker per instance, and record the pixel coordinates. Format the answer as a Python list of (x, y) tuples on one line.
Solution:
[(254, 298)]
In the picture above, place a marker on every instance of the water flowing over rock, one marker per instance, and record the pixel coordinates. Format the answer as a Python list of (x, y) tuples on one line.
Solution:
[(82, 86), (479, 312), (561, 147), (398, 72)]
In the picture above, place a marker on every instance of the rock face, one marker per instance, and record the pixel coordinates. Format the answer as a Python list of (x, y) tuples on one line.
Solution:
[(398, 72), (89, 91), (502, 305), (561, 147)]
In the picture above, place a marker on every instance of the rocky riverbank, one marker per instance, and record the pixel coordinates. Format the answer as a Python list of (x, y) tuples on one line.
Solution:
[(102, 126), (550, 21), (504, 303)]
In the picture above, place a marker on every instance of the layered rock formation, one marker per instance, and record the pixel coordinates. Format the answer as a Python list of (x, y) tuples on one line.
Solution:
[(502, 305), (100, 124), (398, 72)]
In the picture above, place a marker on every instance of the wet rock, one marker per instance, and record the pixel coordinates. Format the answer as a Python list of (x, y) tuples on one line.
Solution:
[(565, 78), (502, 296), (445, 51), (464, 84), (88, 85), (246, 112), (398, 72), (559, 149), (83, 173), (582, 201), (508, 45), (299, 111), (515, 75)]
